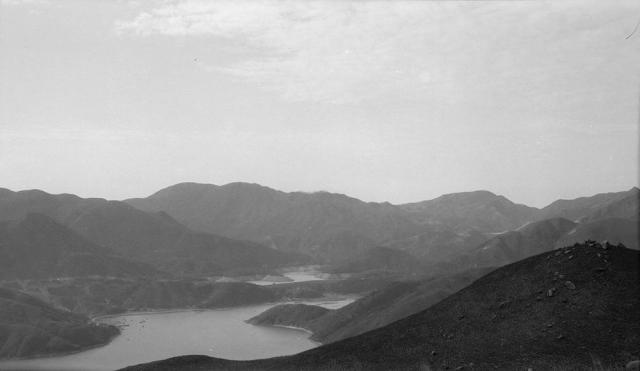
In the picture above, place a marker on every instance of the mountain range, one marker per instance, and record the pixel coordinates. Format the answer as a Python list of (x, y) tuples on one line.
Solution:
[(167, 250), (192, 229), (152, 238), (335, 228)]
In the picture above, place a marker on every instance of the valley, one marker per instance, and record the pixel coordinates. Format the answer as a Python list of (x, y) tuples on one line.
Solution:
[(285, 272), (146, 336)]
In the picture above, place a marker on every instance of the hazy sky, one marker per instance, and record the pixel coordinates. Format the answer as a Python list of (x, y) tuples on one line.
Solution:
[(384, 101)]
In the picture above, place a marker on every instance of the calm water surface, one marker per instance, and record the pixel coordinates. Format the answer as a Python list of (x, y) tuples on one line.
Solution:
[(151, 336), (309, 274)]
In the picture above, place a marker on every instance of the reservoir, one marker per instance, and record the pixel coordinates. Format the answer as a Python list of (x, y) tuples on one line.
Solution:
[(152, 336)]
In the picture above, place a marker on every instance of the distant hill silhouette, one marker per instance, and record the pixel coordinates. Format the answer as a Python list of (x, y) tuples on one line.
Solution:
[(154, 238), (333, 228), (623, 207), (480, 210), (509, 247), (38, 247), (323, 224), (30, 327), (562, 308), (336, 227), (440, 243), (602, 205)]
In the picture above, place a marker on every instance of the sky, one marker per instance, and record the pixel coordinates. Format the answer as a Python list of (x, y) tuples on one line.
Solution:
[(381, 100)]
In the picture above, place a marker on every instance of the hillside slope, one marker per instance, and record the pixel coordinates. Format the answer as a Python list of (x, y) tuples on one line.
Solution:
[(615, 230), (541, 312), (38, 247), (322, 224), (624, 207), (601, 205), (480, 210), (30, 327), (99, 296), (509, 247), (154, 238), (394, 301)]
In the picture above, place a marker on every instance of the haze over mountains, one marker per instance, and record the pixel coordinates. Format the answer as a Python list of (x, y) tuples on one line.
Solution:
[(335, 227), (153, 238), (166, 251), (249, 228), (31, 327), (38, 247)]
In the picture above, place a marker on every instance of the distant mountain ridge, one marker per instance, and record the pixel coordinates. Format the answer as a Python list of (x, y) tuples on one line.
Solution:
[(313, 223), (154, 238), (338, 228), (480, 210), (38, 247), (333, 228), (602, 205)]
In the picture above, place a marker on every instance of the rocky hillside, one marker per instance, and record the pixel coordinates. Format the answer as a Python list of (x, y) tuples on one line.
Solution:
[(30, 327), (614, 230), (562, 308)]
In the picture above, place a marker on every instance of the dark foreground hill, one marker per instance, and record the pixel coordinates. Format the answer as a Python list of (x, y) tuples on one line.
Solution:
[(561, 308), (30, 327)]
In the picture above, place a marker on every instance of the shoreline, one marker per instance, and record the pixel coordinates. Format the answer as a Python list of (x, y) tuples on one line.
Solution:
[(63, 354), (196, 309), (98, 320)]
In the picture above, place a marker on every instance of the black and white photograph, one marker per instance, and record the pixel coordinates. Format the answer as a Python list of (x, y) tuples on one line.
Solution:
[(319, 185)]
